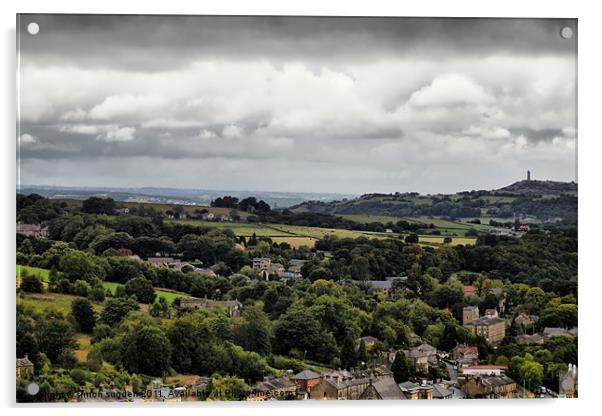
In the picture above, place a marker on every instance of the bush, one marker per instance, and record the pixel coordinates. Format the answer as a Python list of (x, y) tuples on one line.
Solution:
[(30, 283), (142, 288), (81, 288), (97, 294)]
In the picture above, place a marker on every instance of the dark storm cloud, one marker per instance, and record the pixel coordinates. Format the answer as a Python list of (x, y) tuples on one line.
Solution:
[(539, 135), (148, 43), (290, 103)]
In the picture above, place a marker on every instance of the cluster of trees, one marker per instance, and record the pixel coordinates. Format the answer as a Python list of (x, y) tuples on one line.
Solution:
[(250, 204)]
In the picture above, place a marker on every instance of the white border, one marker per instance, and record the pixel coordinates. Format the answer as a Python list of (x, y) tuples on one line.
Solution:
[(590, 201)]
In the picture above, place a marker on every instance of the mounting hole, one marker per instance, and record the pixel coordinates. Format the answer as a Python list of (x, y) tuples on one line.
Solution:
[(566, 32), (33, 28)]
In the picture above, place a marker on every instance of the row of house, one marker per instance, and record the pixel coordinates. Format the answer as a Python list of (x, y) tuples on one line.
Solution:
[(269, 270), (32, 230)]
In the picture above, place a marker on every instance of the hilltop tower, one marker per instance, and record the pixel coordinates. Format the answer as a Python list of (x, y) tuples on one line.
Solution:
[(528, 175)]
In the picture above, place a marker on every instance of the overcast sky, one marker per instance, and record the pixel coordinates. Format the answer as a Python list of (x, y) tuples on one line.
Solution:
[(349, 105)]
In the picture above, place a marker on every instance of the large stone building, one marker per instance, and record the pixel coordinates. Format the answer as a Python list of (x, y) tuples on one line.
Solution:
[(339, 385), (491, 327), (469, 314), (422, 356), (490, 387), (261, 263)]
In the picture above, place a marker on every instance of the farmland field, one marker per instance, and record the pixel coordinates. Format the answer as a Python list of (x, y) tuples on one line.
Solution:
[(43, 275), (445, 226), (41, 302), (170, 296), (301, 235)]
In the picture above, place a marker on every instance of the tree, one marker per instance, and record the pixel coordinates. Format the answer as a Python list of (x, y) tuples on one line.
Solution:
[(30, 283), (227, 388), (96, 205), (146, 350), (116, 309), (83, 313), (253, 333), (142, 288), (56, 335), (531, 373), (160, 308), (349, 352), (79, 265), (402, 368), (412, 239)]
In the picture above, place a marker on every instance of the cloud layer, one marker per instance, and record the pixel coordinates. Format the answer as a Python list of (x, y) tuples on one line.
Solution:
[(308, 104)]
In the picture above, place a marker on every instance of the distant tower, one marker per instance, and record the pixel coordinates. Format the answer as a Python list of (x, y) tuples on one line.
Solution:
[(528, 175)]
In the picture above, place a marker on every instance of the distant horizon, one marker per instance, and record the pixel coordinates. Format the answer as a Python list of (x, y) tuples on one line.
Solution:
[(251, 191)]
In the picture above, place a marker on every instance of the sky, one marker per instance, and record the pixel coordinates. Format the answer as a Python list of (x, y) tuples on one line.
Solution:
[(308, 104)]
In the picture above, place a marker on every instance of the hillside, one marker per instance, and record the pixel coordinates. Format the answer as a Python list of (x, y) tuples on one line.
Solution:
[(526, 187), (539, 201)]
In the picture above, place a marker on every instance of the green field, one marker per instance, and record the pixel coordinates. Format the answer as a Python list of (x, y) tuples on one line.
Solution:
[(445, 226), (168, 295), (189, 209), (299, 235), (41, 302), (43, 275)]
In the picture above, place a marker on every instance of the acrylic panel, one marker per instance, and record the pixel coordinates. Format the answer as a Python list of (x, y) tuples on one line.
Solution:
[(297, 208)]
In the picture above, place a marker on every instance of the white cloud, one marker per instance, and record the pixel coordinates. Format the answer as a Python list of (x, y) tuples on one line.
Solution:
[(205, 134), (117, 134), (232, 132), (27, 139), (450, 90)]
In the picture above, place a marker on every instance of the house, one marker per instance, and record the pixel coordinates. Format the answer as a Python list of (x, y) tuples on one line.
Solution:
[(414, 391), (558, 332), (294, 265), (163, 261), (208, 216), (273, 270), (369, 341), (484, 370), (32, 230), (233, 306), (414, 338), (530, 339), (24, 367), (492, 329), (463, 353), (489, 387), (500, 231), (422, 356), (440, 392), (383, 389), (526, 320), (126, 252), (470, 290), (205, 270), (568, 383), (261, 263), (339, 385), (306, 379), (122, 211), (273, 388), (470, 314)]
